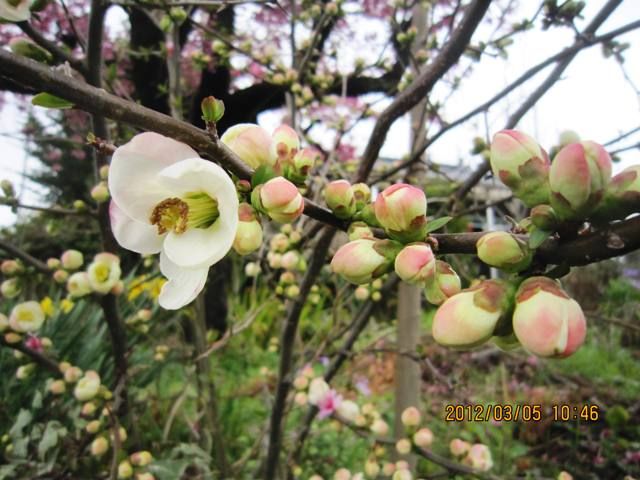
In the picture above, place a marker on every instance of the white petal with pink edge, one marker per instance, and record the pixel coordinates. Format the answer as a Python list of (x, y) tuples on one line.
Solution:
[(133, 174)]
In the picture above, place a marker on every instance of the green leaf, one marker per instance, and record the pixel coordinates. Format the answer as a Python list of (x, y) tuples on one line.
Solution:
[(537, 237), (24, 419), (263, 174), (47, 100), (50, 437), (433, 225)]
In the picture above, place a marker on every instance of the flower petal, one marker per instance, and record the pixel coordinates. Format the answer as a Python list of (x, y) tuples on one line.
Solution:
[(133, 180), (133, 235), (183, 286), (200, 247)]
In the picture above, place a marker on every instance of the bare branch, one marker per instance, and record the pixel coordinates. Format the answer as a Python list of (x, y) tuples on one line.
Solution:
[(22, 255), (423, 84)]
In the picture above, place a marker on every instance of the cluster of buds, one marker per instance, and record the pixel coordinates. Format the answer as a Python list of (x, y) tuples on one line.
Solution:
[(13, 271), (346, 200), (102, 276), (477, 456), (160, 353), (284, 255), (370, 290), (139, 321), (539, 315)]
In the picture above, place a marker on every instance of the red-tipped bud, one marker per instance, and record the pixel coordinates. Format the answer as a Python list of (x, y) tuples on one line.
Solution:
[(363, 260), (579, 174), (340, 199), (470, 317), (416, 264), (544, 217), (249, 233), (285, 144), (522, 165), (251, 143), (280, 199), (401, 210), (504, 251), (446, 283), (546, 321)]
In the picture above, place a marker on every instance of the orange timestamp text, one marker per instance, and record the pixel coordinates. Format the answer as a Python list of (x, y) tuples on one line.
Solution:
[(517, 412)]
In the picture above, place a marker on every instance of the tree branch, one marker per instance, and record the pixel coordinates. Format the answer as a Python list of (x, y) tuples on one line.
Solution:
[(287, 343), (580, 44), (423, 84), (37, 357), (553, 77), (22, 255)]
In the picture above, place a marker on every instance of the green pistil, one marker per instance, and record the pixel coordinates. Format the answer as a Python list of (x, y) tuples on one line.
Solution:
[(203, 210), (195, 210)]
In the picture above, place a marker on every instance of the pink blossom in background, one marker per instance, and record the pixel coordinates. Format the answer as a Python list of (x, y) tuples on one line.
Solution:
[(329, 403), (34, 343)]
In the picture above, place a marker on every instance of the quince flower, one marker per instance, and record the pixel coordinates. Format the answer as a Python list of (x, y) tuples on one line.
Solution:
[(167, 199)]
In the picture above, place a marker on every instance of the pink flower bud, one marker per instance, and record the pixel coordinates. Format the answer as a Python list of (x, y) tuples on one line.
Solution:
[(546, 321), (380, 428), (11, 267), (416, 264), (34, 343), (470, 317), (340, 199), (504, 251), (348, 410), (479, 457), (249, 233), (285, 144), (99, 446), (141, 459), (401, 210), (72, 260), (53, 263), (423, 438), (60, 276), (362, 260), (403, 446), (305, 160), (290, 260), (371, 468), (459, 447), (623, 195), (280, 199), (10, 288), (57, 387), (446, 283), (522, 165), (579, 175), (125, 470), (410, 417), (251, 143)]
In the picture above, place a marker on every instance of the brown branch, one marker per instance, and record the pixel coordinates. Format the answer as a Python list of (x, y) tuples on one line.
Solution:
[(36, 356), (553, 77), (287, 342), (52, 210), (97, 101), (58, 53), (22, 255), (578, 45), (423, 84), (360, 322), (101, 130)]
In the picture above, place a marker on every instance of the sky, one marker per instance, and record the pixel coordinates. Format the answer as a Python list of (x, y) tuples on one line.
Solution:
[(593, 98)]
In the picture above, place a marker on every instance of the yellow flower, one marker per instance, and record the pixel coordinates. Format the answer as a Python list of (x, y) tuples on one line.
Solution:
[(66, 305), (47, 306)]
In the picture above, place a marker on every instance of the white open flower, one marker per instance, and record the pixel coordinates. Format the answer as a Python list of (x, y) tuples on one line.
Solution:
[(88, 386), (167, 199), (26, 317), (104, 272), (15, 10)]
